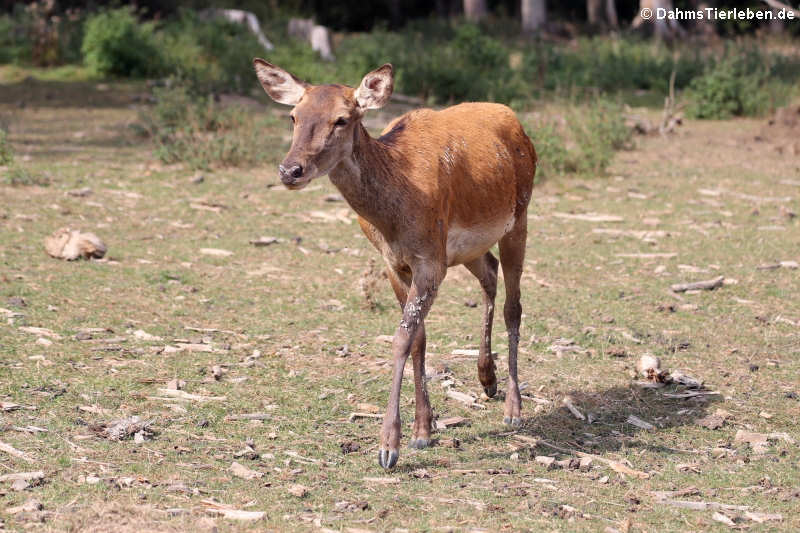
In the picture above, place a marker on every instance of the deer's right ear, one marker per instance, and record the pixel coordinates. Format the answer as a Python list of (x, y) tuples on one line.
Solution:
[(376, 88), (279, 84)]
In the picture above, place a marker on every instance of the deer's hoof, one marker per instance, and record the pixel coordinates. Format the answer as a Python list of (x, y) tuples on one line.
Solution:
[(491, 390), (387, 458), (419, 443), (514, 422)]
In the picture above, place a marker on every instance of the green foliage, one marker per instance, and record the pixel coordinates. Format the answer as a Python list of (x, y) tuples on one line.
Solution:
[(210, 55), (739, 84), (18, 176), (15, 41), (13, 174), (202, 133), (6, 150), (116, 43), (584, 140), (611, 64)]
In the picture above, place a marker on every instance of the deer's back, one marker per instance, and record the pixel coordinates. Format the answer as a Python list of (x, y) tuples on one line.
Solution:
[(473, 162)]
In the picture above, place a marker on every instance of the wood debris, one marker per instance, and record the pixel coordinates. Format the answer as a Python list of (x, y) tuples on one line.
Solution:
[(29, 506), (10, 450), (763, 517), (567, 401), (711, 421), (264, 241), (11, 406), (653, 255), (183, 395), (71, 244), (299, 491), (382, 480), (759, 442), (242, 471), (466, 399), (453, 421), (354, 416), (690, 393), (639, 423), (248, 416), (614, 465), (703, 506), (725, 519), (132, 426), (589, 217), (144, 336), (238, 514), (24, 476), (44, 332), (218, 252), (706, 285)]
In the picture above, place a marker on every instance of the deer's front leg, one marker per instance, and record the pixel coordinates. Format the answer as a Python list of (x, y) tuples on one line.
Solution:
[(420, 298)]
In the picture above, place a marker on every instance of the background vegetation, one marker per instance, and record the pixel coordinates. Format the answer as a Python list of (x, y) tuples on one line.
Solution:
[(440, 59)]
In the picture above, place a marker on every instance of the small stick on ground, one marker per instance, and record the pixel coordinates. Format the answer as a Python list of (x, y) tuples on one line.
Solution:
[(707, 285), (567, 401), (15, 452)]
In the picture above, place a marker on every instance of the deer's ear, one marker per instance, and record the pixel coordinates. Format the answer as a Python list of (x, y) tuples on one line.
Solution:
[(279, 84), (376, 88)]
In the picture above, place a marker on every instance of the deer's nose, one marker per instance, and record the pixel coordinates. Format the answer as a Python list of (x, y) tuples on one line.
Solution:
[(290, 173)]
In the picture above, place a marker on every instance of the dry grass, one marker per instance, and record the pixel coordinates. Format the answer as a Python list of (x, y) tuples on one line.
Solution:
[(279, 318)]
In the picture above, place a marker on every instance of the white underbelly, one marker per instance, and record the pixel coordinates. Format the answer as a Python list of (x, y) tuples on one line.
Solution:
[(465, 245)]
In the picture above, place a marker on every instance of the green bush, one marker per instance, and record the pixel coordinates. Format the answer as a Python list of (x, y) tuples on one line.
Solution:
[(740, 84), (15, 39), (202, 133), (611, 64), (116, 43), (210, 55), (6, 150), (18, 176), (583, 140)]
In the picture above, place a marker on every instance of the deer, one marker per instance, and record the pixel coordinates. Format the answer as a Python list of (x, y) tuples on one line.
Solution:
[(438, 188)]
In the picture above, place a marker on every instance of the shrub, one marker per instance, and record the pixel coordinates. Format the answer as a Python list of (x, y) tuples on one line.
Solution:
[(740, 84), (6, 151), (18, 176), (15, 39), (116, 43), (202, 133), (611, 64), (583, 140), (210, 55)]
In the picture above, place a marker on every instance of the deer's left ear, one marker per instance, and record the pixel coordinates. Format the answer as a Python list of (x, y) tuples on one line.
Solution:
[(376, 88), (280, 85)]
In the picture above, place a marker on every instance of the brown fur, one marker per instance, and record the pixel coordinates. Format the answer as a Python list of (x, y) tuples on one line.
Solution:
[(437, 189)]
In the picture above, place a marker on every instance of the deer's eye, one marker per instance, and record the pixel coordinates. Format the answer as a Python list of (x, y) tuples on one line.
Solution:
[(292, 117), (340, 122)]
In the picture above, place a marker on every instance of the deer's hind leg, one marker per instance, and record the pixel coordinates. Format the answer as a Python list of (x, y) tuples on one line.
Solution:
[(485, 269), (512, 257)]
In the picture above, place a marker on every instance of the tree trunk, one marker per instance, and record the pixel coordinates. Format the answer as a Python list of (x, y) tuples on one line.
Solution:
[(664, 29), (594, 12), (611, 14), (534, 15), (475, 10)]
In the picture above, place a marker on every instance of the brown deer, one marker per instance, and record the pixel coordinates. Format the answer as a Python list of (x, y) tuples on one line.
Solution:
[(437, 189)]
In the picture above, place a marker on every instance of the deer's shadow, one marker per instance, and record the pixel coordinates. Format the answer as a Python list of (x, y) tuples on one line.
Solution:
[(608, 424)]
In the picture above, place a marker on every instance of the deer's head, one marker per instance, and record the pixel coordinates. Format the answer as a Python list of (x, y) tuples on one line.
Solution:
[(325, 118)]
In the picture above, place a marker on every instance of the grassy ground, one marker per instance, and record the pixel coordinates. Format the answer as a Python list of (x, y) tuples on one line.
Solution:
[(288, 327)]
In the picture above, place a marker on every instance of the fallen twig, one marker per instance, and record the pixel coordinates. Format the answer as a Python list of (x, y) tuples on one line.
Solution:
[(707, 285), (567, 401), (15, 452)]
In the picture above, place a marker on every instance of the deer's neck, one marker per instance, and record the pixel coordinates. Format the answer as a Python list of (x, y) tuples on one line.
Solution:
[(371, 182)]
